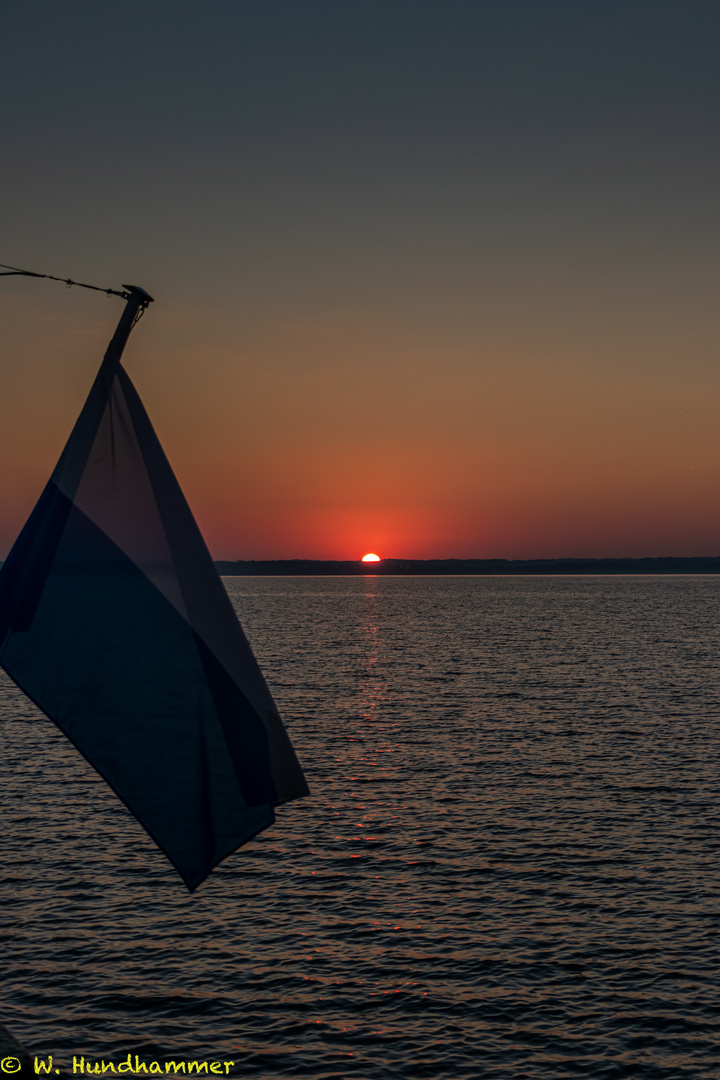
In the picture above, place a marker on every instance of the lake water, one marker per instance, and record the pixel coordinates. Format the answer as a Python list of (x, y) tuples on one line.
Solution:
[(508, 867)]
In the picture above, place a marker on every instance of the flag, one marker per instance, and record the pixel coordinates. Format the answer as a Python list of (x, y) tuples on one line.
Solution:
[(114, 621)]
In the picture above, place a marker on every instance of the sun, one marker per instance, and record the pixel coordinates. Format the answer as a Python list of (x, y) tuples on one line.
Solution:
[(371, 558)]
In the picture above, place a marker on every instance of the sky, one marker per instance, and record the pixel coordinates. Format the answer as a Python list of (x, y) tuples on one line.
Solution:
[(431, 279)]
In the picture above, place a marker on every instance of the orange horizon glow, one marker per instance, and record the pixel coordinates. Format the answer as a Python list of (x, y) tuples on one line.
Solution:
[(538, 457)]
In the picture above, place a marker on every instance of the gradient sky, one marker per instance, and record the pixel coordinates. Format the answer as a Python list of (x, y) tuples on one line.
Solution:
[(433, 279)]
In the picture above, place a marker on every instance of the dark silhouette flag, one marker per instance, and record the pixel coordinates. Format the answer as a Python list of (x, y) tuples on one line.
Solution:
[(114, 621)]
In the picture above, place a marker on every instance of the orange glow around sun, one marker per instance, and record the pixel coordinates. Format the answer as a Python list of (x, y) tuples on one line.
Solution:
[(371, 558)]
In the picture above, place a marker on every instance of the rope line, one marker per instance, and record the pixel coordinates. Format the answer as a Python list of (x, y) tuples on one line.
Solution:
[(10, 271)]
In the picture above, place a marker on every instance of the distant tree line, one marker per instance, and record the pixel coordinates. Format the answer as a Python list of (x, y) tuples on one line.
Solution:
[(409, 567)]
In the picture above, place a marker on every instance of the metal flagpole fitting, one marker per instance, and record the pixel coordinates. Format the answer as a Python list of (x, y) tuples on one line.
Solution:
[(136, 302)]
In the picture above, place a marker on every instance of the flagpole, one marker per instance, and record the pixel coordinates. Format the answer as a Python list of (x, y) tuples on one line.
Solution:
[(137, 300)]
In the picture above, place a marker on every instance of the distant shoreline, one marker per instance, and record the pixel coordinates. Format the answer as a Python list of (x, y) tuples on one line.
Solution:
[(709, 564), (483, 567)]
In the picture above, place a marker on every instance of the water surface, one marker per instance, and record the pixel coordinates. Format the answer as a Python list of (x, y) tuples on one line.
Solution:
[(508, 867)]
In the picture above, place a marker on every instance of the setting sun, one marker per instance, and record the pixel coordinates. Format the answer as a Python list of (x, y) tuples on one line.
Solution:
[(371, 558)]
